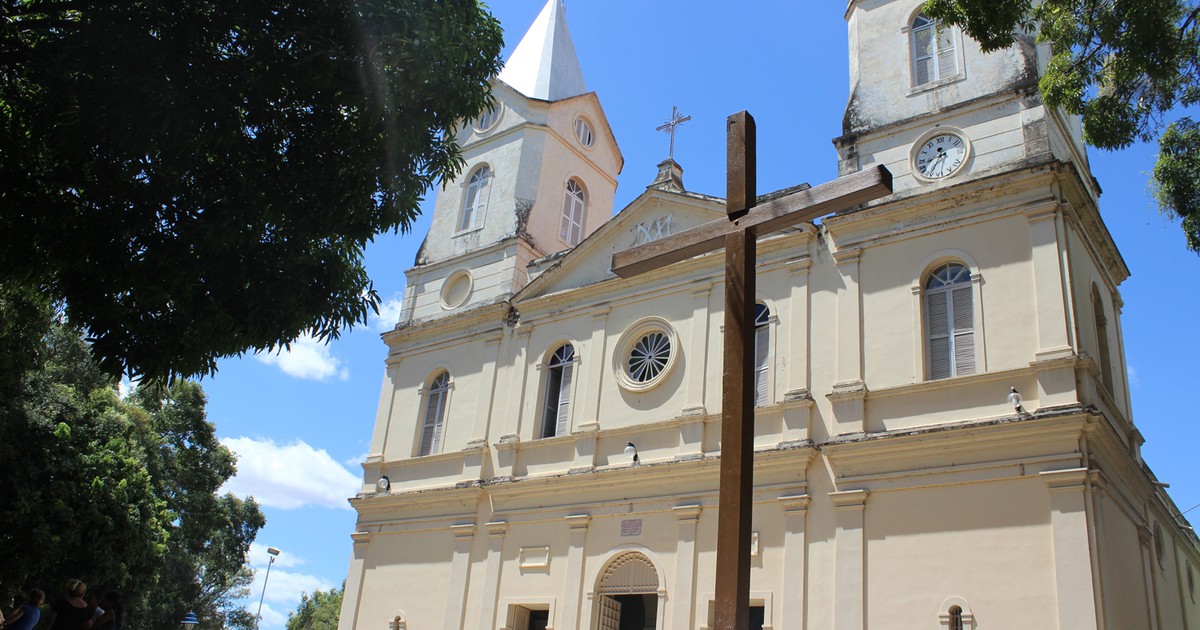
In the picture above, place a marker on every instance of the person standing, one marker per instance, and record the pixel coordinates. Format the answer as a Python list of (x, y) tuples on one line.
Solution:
[(26, 616), (71, 612)]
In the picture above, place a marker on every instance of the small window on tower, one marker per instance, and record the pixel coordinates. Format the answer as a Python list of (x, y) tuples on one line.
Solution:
[(583, 131), (934, 51), (488, 119), (949, 322), (574, 207)]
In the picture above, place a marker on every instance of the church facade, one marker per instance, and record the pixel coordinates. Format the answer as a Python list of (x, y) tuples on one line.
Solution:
[(943, 430)]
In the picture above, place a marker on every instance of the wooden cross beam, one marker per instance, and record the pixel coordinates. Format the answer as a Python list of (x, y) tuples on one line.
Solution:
[(738, 234)]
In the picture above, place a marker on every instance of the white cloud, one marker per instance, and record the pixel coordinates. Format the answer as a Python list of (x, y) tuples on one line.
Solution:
[(289, 476), (1133, 377), (355, 462), (271, 618), (389, 314), (307, 358), (258, 556), (285, 587)]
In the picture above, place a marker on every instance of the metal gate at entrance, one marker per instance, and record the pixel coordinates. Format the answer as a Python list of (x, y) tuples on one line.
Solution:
[(628, 594)]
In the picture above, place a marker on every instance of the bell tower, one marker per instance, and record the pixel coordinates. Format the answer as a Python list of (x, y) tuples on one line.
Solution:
[(541, 173), (927, 103)]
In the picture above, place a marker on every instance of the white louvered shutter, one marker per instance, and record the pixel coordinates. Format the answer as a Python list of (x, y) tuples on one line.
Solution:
[(924, 55), (431, 432), (564, 400), (762, 348), (964, 330), (947, 58), (938, 327)]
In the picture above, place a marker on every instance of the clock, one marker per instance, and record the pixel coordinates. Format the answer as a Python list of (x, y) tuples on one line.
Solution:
[(940, 154)]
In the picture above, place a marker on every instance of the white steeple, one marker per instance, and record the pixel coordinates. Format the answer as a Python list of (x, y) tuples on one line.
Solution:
[(544, 64)]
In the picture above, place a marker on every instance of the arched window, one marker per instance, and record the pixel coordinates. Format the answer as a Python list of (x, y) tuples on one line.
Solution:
[(950, 322), (934, 52), (574, 204), (475, 198), (1106, 375), (558, 391), (762, 353), (956, 618), (435, 414)]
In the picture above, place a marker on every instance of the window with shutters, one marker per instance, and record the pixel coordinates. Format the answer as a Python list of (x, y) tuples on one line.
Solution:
[(934, 51), (475, 199), (574, 206), (1106, 372), (434, 414), (949, 322), (762, 354), (557, 407)]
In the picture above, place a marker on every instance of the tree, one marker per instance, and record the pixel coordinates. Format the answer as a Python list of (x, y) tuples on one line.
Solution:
[(194, 179), (1124, 66), (319, 612), (122, 493)]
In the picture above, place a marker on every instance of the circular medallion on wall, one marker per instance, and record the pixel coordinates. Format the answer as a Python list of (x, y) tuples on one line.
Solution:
[(939, 153), (457, 289), (646, 354)]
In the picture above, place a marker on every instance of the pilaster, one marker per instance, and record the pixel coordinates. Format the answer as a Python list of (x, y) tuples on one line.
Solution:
[(794, 587), (483, 409), (491, 582), (573, 584), (849, 391), (354, 580), (849, 605), (460, 574), (697, 353), (1072, 553), (683, 600)]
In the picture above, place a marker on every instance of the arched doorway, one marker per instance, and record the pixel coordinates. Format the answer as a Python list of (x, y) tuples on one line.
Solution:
[(628, 594)]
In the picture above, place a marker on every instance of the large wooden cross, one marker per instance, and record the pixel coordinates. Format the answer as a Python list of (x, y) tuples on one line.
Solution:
[(738, 234)]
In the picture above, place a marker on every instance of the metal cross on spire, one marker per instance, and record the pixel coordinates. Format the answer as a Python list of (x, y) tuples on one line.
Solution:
[(669, 128)]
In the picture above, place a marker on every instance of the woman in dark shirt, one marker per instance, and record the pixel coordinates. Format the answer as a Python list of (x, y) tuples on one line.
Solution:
[(71, 612)]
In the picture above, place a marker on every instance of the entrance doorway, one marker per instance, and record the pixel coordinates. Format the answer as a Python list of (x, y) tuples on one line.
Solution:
[(628, 594)]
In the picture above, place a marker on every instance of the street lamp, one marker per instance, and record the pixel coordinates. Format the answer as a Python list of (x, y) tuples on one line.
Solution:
[(189, 621), (274, 554)]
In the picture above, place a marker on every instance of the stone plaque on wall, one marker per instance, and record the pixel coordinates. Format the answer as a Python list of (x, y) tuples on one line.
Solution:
[(631, 527)]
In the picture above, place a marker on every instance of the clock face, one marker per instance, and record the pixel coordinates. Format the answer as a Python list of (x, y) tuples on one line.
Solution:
[(941, 155)]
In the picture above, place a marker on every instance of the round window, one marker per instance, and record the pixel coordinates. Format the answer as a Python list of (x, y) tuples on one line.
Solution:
[(583, 132), (457, 289), (646, 354), (488, 119)]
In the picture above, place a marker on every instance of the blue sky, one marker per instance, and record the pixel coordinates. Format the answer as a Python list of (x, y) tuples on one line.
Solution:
[(301, 421)]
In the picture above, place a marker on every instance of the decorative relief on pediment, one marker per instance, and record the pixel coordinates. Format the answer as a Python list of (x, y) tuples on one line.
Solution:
[(653, 230)]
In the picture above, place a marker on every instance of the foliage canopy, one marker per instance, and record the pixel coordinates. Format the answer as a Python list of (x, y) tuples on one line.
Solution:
[(119, 492), (196, 178), (1124, 66), (317, 612)]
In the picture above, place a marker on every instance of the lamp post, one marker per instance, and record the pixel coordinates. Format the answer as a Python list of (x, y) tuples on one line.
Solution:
[(189, 621), (258, 616)]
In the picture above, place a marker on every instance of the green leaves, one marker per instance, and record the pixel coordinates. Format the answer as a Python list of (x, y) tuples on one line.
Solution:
[(197, 179), (318, 612), (1177, 176), (1124, 66), (119, 492)]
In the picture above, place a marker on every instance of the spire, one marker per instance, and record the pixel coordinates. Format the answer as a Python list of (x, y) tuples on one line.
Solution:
[(544, 64)]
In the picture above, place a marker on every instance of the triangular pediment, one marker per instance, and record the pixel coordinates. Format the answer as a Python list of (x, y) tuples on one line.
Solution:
[(654, 214)]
